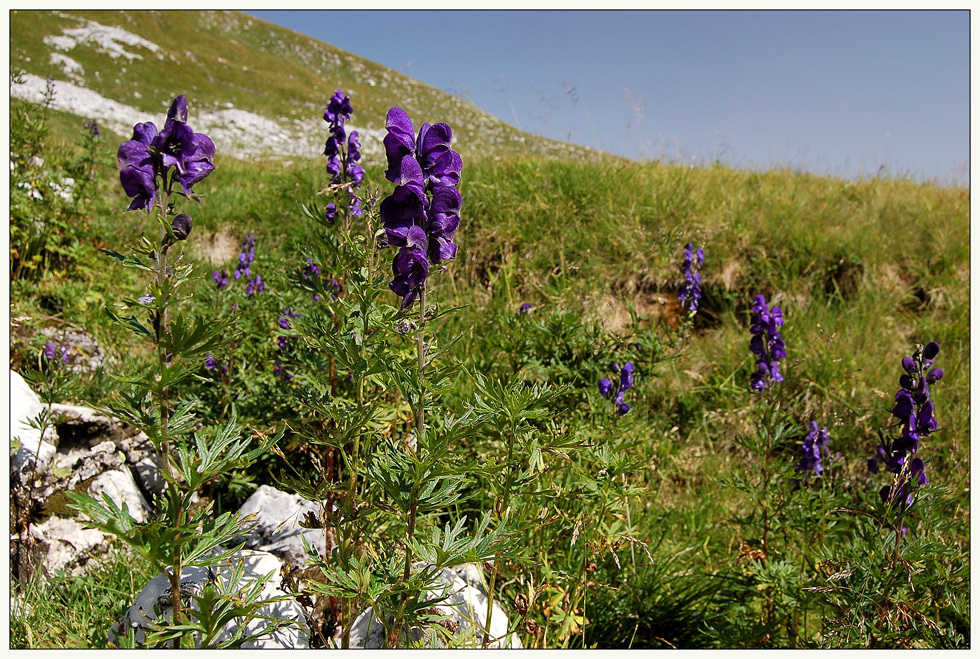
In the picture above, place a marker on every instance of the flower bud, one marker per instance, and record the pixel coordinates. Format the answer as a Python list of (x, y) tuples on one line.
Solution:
[(931, 350), (182, 226)]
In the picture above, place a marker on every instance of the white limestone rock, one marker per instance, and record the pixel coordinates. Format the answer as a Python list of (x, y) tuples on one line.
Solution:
[(465, 606), (25, 406), (157, 593), (68, 544), (278, 515), (121, 488)]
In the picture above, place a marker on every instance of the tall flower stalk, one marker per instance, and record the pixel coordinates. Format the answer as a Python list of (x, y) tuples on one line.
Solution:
[(420, 217), (689, 292), (156, 167), (915, 413)]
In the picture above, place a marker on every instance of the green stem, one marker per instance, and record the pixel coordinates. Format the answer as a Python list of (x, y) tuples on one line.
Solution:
[(164, 363), (504, 514), (413, 496)]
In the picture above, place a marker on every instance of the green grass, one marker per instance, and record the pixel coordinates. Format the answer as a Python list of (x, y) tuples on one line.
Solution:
[(75, 612)]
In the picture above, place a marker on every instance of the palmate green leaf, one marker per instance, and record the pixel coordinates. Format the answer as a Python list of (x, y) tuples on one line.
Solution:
[(221, 602), (154, 540), (131, 323), (451, 546), (128, 261), (191, 338), (219, 450)]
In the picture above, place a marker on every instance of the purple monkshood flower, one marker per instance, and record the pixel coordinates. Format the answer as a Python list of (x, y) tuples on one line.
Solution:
[(526, 307), (245, 257), (427, 172), (52, 352), (690, 291), (767, 344), (625, 382), (211, 364), (342, 166), (311, 269), (814, 443), (605, 387), (916, 417), (255, 286), (93, 126), (146, 160), (220, 278), (410, 267), (284, 318)]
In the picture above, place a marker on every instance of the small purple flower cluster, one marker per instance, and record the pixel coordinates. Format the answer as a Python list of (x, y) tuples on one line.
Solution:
[(246, 257), (343, 164), (422, 214), (916, 414), (690, 291), (254, 284), (92, 126), (151, 154), (312, 271), (814, 444), (211, 364), (767, 344), (220, 278), (56, 353), (285, 344), (625, 382)]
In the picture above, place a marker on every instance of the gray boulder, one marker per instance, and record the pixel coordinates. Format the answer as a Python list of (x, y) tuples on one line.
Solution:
[(465, 607), (68, 545), (156, 600), (84, 351), (25, 406), (277, 529)]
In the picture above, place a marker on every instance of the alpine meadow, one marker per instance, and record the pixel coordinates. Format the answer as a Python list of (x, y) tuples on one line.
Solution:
[(516, 393)]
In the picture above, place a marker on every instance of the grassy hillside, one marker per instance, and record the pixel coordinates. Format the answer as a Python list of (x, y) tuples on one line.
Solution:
[(863, 271), (226, 61)]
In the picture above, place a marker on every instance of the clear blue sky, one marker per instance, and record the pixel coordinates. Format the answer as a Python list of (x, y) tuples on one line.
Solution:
[(841, 93)]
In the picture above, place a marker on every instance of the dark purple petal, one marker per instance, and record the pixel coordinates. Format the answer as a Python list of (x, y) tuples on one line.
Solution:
[(145, 132), (904, 405), (447, 170), (605, 387), (909, 365), (178, 109), (931, 350), (399, 142), (433, 142), (139, 184), (935, 375)]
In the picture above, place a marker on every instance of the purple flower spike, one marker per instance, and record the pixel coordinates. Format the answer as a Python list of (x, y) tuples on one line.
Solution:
[(814, 444), (425, 203), (766, 344), (916, 416), (690, 291)]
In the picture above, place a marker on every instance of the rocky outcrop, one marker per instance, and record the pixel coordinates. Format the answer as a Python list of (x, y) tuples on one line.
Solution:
[(155, 601), (278, 531), (465, 606), (83, 451)]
